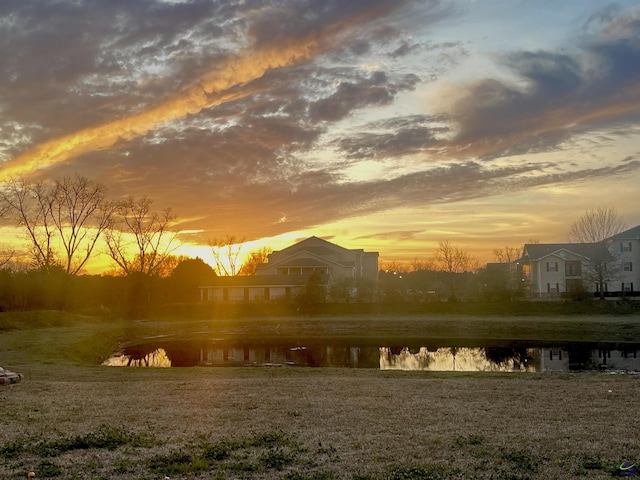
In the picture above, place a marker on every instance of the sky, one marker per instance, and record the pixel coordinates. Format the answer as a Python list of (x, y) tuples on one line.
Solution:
[(387, 125)]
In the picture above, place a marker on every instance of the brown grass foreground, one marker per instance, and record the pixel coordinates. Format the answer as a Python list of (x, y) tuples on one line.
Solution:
[(70, 420)]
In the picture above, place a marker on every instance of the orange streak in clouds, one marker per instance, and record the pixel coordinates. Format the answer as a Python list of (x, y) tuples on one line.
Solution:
[(211, 90)]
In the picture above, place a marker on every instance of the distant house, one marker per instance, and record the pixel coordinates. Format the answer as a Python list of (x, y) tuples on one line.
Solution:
[(287, 273), (610, 267), (549, 270)]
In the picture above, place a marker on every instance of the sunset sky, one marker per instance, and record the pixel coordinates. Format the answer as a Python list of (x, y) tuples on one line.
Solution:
[(387, 125)]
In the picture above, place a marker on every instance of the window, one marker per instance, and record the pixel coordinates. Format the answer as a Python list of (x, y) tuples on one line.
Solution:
[(625, 246), (553, 287), (572, 269), (552, 266), (627, 287), (627, 267)]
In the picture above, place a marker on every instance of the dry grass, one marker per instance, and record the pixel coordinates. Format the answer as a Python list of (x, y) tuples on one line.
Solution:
[(71, 420), (349, 424)]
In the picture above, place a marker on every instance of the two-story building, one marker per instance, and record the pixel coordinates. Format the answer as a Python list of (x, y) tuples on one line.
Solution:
[(549, 270), (287, 273), (625, 247)]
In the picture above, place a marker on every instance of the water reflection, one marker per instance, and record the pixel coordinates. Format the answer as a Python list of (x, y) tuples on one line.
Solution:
[(453, 359), (157, 358), (497, 358)]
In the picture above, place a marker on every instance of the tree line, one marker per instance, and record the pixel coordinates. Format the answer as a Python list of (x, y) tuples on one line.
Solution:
[(65, 222)]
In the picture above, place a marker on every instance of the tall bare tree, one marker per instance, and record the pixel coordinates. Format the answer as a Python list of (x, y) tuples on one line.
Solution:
[(140, 240), (226, 252), (6, 252), (596, 225), (30, 205), (454, 261), (69, 215), (80, 213)]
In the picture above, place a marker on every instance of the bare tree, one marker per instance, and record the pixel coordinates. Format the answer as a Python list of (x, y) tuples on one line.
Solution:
[(507, 254), (254, 259), (454, 261), (80, 214), (140, 240), (71, 214), (418, 265), (226, 252), (596, 225), (393, 266), (6, 252), (31, 206)]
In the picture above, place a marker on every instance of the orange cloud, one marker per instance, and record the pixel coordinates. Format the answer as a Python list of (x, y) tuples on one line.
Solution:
[(209, 91)]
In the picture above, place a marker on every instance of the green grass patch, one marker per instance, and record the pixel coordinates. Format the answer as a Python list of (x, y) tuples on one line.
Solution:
[(264, 451), (471, 439), (105, 437), (418, 472)]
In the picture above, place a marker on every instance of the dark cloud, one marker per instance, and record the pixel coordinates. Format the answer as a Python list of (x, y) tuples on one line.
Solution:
[(399, 136), (563, 94), (375, 90), (258, 165)]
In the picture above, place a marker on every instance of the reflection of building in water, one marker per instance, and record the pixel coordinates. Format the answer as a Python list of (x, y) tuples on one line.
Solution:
[(617, 359), (551, 359), (469, 359), (157, 358), (317, 356)]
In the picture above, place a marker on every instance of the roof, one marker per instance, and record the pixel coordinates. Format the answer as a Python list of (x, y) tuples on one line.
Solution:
[(536, 251), (315, 245), (631, 234), (264, 281), (308, 262)]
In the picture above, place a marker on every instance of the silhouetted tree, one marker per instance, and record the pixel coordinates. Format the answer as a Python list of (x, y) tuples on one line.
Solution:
[(139, 240), (72, 214), (507, 254), (226, 252), (596, 226), (454, 261), (6, 252), (189, 274), (255, 258)]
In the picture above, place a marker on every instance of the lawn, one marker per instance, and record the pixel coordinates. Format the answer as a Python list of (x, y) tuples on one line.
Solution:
[(73, 419)]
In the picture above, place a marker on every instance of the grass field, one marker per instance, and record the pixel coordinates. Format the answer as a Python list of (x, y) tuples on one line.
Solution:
[(73, 419)]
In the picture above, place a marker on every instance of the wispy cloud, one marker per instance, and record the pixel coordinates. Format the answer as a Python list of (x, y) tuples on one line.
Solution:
[(252, 117)]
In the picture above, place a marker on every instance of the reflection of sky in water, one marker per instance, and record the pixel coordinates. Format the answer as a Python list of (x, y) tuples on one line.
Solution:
[(444, 359), (157, 358), (468, 359)]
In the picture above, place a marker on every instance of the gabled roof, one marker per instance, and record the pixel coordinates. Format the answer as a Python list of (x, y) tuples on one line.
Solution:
[(631, 234), (313, 244), (537, 251)]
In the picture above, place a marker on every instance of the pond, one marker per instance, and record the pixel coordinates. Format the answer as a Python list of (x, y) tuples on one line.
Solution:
[(487, 356)]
